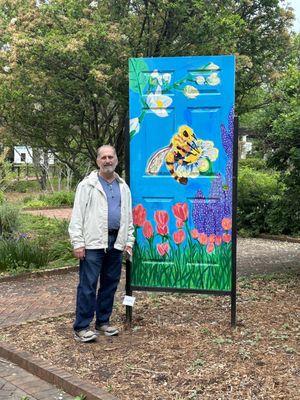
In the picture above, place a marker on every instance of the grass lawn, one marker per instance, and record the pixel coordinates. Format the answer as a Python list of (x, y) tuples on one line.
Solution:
[(181, 347)]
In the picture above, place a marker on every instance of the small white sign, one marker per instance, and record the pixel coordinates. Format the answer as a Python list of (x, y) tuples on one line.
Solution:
[(128, 301)]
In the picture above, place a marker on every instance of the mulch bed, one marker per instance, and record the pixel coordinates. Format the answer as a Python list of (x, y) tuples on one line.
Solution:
[(181, 347)]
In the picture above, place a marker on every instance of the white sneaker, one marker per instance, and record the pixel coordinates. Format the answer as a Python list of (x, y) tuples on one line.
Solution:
[(85, 335), (107, 330)]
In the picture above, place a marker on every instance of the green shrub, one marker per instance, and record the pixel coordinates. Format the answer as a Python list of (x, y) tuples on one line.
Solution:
[(258, 195), (9, 219), (60, 199), (56, 199), (2, 198), (35, 203), (258, 164), (22, 254)]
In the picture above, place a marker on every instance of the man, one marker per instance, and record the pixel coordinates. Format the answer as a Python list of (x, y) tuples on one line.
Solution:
[(101, 229)]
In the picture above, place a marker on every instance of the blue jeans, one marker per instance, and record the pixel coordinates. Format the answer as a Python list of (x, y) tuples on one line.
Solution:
[(104, 266)]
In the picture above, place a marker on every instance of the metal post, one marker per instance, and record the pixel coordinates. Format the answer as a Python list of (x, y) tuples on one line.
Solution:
[(128, 293), (234, 227)]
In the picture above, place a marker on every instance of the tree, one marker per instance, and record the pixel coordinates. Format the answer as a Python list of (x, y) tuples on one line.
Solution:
[(63, 67)]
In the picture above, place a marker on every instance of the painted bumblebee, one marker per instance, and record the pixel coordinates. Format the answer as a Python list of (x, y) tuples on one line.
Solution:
[(185, 156)]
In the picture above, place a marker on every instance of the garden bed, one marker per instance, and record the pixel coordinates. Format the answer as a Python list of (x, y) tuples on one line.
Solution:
[(182, 346)]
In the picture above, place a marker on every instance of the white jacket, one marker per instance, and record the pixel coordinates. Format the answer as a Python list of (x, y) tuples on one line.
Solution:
[(89, 222)]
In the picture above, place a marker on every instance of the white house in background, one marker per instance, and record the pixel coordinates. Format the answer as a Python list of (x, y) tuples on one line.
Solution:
[(245, 147), (23, 155)]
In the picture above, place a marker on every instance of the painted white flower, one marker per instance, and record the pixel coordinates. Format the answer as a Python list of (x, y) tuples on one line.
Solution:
[(6, 47), (37, 106), (191, 92), (94, 4), (158, 102), (213, 79), (203, 165), (212, 67), (6, 68), (157, 76), (208, 149), (167, 77), (200, 80), (134, 125)]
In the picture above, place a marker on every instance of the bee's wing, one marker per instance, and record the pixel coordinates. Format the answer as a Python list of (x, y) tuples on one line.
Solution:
[(156, 160)]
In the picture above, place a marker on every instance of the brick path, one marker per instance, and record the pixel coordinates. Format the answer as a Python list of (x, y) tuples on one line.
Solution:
[(16, 383)]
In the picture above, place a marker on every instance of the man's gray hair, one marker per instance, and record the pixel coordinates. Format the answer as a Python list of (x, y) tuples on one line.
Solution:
[(105, 146)]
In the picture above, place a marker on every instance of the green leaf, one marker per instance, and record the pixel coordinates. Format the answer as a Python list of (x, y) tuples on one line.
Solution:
[(137, 77)]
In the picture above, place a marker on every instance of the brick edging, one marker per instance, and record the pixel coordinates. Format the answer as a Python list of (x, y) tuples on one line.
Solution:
[(43, 272), (53, 375)]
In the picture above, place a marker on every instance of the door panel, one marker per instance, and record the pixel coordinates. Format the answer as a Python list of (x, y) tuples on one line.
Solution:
[(181, 131)]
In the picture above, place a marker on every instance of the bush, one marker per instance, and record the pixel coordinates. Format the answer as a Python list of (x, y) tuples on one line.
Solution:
[(22, 254), (56, 199), (9, 219), (2, 198), (257, 164), (258, 195)]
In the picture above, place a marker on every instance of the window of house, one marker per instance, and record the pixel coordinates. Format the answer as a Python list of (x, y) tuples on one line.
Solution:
[(23, 157)]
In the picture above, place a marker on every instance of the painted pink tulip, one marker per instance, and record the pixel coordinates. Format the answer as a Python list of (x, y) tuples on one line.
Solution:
[(139, 215), (194, 233), (210, 247), (226, 224), (163, 248), (147, 230), (162, 230), (181, 211), (178, 236), (218, 240), (161, 217), (202, 237), (179, 223), (211, 238), (226, 237)]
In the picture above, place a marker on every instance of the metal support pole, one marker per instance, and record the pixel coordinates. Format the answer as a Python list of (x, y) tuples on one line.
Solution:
[(234, 227), (128, 293)]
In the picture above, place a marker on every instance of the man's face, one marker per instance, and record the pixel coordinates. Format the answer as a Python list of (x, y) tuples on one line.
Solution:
[(107, 160)]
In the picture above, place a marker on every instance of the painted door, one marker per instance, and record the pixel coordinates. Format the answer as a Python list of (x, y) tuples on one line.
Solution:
[(181, 146)]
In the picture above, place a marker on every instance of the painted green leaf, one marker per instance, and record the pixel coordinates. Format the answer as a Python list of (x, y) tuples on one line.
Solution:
[(137, 79)]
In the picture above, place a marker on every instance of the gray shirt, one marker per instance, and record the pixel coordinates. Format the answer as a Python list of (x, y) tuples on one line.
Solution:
[(112, 191)]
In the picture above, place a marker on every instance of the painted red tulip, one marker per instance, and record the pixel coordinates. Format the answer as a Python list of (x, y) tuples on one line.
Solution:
[(139, 215), (202, 237), (162, 230), (163, 248), (226, 224), (226, 237), (181, 211), (218, 240), (179, 236), (210, 247), (179, 223), (161, 217), (147, 230), (194, 233), (211, 238)]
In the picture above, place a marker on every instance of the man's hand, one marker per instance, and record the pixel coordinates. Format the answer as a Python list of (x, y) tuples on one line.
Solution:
[(127, 252), (79, 253)]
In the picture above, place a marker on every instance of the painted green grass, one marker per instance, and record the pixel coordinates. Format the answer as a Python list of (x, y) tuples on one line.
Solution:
[(185, 267)]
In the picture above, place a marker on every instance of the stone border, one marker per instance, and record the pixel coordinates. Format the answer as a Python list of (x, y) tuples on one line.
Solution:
[(43, 272), (280, 238), (53, 375)]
